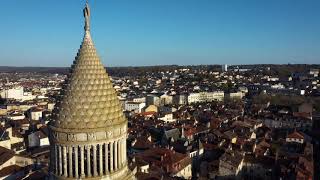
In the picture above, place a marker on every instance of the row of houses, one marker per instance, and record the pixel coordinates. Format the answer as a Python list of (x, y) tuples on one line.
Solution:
[(137, 104)]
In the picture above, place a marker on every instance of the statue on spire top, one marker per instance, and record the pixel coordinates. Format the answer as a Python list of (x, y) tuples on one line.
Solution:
[(86, 13)]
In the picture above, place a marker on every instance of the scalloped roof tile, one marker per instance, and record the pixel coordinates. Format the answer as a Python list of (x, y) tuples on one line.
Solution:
[(88, 99)]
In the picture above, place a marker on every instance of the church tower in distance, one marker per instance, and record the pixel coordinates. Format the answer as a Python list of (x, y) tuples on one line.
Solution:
[(88, 130)]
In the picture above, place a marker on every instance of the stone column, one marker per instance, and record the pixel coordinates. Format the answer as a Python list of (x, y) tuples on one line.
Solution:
[(115, 155), (100, 160), (82, 161), (95, 172), (122, 150), (125, 150), (70, 161), (119, 153), (76, 162), (106, 156), (111, 156), (60, 160), (65, 161), (88, 161)]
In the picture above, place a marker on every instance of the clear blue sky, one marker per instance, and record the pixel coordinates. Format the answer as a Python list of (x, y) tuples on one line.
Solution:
[(155, 32)]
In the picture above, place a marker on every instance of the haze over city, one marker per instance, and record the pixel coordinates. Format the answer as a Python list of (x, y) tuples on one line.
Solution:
[(158, 32)]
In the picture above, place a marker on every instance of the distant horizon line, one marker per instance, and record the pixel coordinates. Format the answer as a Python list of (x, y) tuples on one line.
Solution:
[(158, 65)]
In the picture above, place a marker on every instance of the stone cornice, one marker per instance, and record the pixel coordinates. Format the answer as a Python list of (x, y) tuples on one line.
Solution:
[(95, 136), (88, 130)]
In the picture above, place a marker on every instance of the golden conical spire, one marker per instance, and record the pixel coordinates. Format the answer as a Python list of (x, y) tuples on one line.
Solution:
[(88, 97), (88, 130)]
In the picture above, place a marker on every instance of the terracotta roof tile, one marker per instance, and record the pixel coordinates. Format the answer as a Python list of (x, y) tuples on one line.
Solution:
[(295, 135)]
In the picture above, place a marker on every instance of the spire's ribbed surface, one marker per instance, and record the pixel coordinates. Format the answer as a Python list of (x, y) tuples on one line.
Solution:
[(88, 130), (88, 97)]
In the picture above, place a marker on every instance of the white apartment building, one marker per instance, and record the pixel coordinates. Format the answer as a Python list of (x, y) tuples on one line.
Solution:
[(36, 114), (13, 93), (134, 106), (180, 99), (167, 118), (224, 67), (16, 115), (6, 139), (166, 99), (27, 96), (139, 99), (236, 95), (185, 173), (205, 97)]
